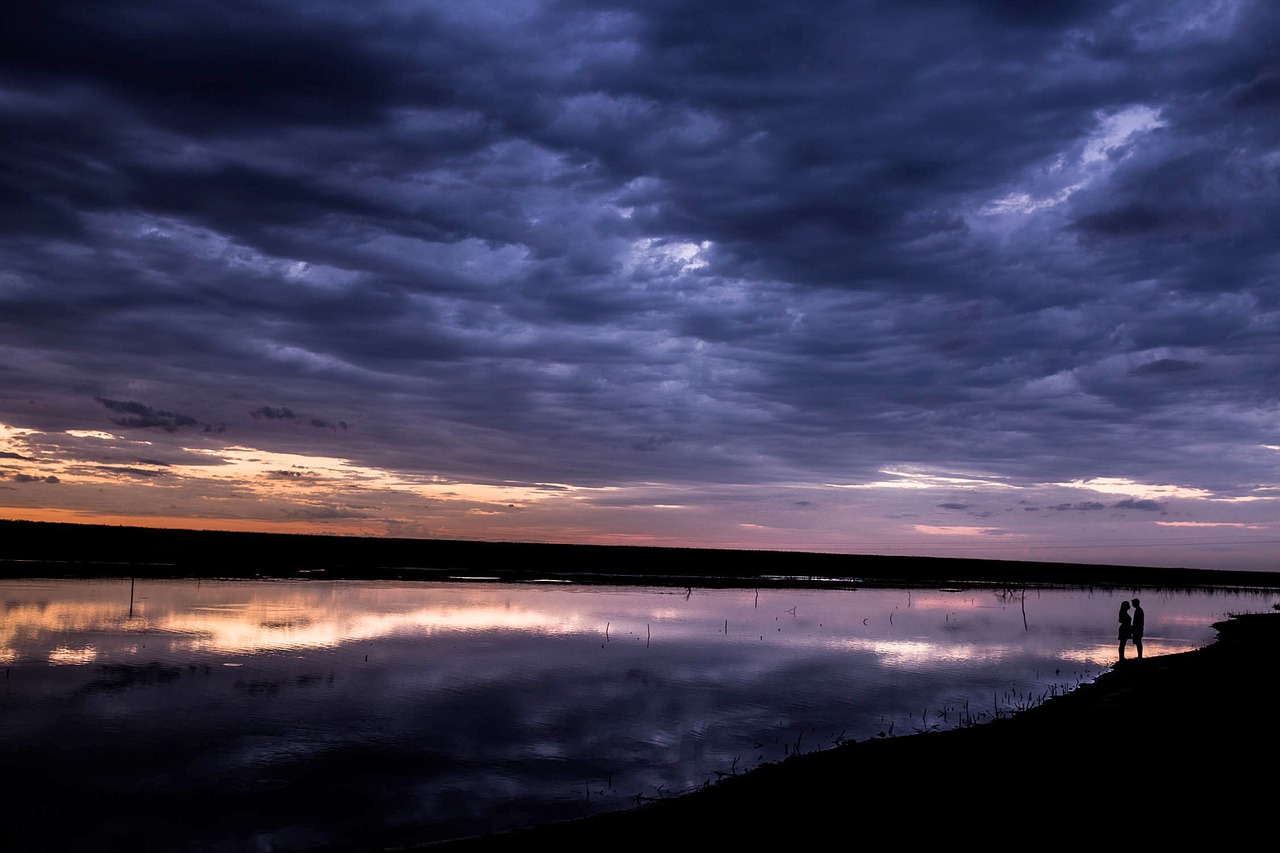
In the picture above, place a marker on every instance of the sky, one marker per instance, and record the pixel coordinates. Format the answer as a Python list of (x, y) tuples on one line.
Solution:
[(979, 278)]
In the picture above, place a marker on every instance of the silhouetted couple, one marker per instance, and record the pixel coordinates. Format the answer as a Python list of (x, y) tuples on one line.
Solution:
[(1132, 627)]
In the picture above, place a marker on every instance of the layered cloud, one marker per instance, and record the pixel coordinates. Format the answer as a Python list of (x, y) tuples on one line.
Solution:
[(682, 271)]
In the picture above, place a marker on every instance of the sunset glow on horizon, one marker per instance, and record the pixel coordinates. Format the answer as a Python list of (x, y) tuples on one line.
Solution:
[(237, 488)]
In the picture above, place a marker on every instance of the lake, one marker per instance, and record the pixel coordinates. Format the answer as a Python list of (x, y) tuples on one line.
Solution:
[(287, 715)]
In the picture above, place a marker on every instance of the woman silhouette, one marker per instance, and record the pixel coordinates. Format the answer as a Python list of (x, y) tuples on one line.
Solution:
[(1126, 626)]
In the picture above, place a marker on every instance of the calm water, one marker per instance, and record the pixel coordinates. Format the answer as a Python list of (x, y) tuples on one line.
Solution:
[(245, 715)]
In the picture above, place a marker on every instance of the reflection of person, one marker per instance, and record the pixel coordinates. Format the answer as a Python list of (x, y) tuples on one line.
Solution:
[(1126, 626), (1139, 624)]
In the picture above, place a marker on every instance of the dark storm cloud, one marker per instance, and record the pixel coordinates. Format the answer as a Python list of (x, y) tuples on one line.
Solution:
[(583, 242), (1164, 367), (134, 415), (1144, 505), (651, 443), (140, 473), (200, 63), (284, 413), (271, 413)]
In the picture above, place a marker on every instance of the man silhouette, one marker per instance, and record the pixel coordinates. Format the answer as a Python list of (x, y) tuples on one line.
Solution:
[(1139, 622)]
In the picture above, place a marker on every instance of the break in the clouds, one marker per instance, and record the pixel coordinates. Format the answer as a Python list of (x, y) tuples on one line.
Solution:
[(815, 275)]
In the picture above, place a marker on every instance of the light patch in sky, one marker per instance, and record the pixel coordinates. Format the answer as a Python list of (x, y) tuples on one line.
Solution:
[(915, 480), (654, 255), (958, 530), (1211, 524), (300, 357), (1130, 488), (1243, 499), (7, 433), (1064, 177), (237, 479), (1021, 202), (260, 468), (1117, 129), (1208, 19)]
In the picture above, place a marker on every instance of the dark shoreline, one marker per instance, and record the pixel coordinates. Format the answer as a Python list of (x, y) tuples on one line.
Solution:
[(49, 549)]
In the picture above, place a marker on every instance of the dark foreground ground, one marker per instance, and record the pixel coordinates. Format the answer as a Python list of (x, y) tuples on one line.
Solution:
[(1176, 752)]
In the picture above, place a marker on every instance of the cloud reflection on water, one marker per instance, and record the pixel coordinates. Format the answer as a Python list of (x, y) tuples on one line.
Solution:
[(466, 703)]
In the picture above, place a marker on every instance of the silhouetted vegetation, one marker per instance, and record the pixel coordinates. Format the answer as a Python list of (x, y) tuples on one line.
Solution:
[(50, 549)]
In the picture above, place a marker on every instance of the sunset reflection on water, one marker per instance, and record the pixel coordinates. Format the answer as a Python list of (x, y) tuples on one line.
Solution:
[(473, 704)]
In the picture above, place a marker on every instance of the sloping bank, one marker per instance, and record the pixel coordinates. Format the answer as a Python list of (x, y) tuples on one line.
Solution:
[(1178, 750)]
